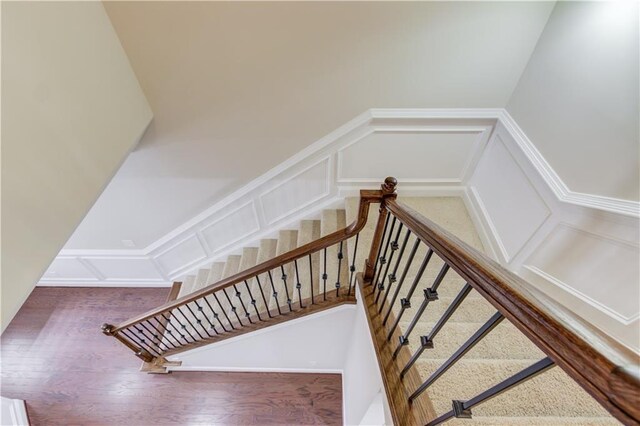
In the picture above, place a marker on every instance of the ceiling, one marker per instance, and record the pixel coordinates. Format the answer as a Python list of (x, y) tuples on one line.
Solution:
[(237, 88)]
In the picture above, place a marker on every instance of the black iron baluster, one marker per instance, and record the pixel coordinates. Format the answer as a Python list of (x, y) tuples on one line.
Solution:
[(384, 232), (233, 307), (340, 256), (298, 284), (224, 312), (352, 268), (253, 301), (286, 288), (313, 302), (466, 347), (405, 303), (430, 295), (392, 277), (187, 319), (462, 409), (401, 282), (247, 315), (426, 342), (266, 304), (142, 343), (215, 314), (183, 327), (180, 331), (324, 274), (151, 338), (206, 317), (157, 336), (275, 293), (166, 333), (394, 247), (199, 320), (383, 258)]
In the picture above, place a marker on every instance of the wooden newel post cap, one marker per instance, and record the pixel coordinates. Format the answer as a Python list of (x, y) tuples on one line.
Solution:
[(389, 185), (107, 329)]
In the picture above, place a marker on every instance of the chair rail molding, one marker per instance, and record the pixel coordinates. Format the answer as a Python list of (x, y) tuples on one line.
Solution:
[(515, 199)]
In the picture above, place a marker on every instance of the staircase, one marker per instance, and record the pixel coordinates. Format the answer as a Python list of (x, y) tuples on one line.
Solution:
[(473, 350)]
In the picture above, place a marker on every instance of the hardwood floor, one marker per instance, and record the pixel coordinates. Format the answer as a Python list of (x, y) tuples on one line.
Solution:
[(55, 357)]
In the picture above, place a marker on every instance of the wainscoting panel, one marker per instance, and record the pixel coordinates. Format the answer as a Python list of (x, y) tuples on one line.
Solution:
[(181, 255), (232, 227)]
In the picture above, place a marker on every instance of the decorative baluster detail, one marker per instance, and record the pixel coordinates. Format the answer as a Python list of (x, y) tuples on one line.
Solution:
[(233, 307), (238, 294), (198, 320), (141, 343), (253, 301), (392, 276), (148, 339), (264, 299), (275, 293), (340, 256), (298, 284), (426, 342), (194, 328), (383, 211), (286, 288), (157, 336), (324, 275), (352, 268), (430, 295), (394, 247), (401, 282), (168, 333), (215, 314), (224, 312), (466, 347), (406, 302), (383, 258), (180, 331), (462, 409), (183, 328), (313, 302)]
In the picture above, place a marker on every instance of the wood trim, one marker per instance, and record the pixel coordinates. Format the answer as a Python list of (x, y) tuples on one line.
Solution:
[(398, 390), (366, 198), (602, 366)]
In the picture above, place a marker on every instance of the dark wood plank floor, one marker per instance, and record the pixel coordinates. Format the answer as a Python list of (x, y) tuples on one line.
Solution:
[(55, 357)]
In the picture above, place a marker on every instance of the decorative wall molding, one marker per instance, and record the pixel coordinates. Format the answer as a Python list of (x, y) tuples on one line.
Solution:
[(514, 210)]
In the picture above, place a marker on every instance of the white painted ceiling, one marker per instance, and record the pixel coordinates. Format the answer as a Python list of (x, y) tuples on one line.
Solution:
[(237, 88)]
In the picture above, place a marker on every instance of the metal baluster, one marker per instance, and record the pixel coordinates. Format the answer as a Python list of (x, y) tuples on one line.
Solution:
[(150, 337), (401, 282), (392, 276), (466, 347), (340, 256), (405, 303), (155, 335), (286, 288), (224, 312), (298, 285), (215, 314), (187, 319), (266, 304), (244, 308), (324, 274), (275, 293), (383, 258), (394, 248), (183, 327), (313, 302), (233, 308), (253, 301), (167, 333), (426, 342), (180, 331), (462, 409), (142, 344), (384, 232), (199, 321), (352, 268), (206, 317)]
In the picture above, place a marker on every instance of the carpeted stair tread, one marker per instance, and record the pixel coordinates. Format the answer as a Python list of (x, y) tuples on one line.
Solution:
[(308, 268), (534, 421), (215, 272)]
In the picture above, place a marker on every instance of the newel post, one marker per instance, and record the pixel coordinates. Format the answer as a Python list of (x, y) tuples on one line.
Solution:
[(141, 353), (388, 190)]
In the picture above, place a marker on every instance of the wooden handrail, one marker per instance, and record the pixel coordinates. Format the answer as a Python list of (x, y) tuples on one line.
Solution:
[(602, 366), (367, 197)]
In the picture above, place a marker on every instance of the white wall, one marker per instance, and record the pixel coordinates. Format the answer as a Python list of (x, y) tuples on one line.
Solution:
[(71, 111), (578, 98), (13, 412)]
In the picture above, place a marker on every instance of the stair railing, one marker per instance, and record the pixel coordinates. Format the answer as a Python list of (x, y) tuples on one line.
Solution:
[(607, 370), (297, 283)]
